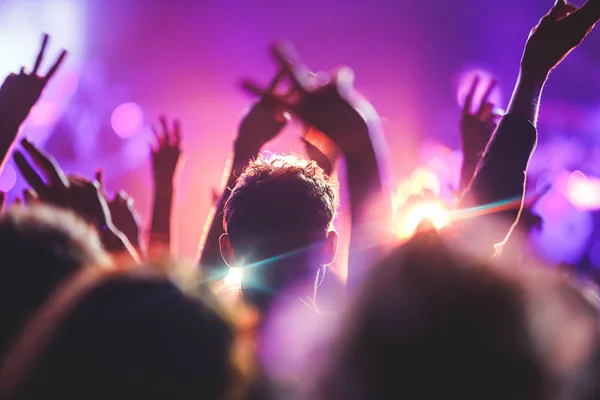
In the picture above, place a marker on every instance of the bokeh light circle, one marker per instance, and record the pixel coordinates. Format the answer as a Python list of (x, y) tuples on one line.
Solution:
[(8, 178), (127, 120)]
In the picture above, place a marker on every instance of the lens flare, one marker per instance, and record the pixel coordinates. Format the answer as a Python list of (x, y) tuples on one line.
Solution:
[(233, 280)]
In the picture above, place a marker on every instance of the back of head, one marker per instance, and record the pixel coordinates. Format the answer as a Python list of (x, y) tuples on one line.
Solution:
[(132, 336), (279, 209), (40, 247), (431, 324)]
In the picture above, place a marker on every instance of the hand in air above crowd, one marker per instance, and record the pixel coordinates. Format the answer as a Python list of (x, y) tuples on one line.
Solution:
[(166, 151), (21, 91), (557, 34), (327, 102)]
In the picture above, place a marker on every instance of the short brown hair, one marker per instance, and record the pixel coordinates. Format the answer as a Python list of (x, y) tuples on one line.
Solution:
[(280, 203)]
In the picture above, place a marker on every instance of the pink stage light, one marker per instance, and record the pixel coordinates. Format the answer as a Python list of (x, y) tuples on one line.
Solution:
[(583, 192), (127, 120), (8, 178)]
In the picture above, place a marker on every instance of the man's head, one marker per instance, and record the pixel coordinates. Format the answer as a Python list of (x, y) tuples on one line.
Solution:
[(281, 209), (130, 332), (453, 327), (39, 247)]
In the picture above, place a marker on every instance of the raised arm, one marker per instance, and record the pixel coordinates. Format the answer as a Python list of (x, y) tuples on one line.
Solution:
[(18, 95), (351, 123), (166, 159), (263, 122), (498, 186), (123, 215), (476, 128), (83, 197)]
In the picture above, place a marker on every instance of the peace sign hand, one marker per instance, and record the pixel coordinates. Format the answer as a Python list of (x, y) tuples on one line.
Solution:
[(21, 91)]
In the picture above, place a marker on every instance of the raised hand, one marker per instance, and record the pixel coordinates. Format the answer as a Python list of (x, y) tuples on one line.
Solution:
[(334, 108), (262, 123), (166, 152), (123, 213), (476, 128), (77, 194), (557, 34), (166, 157), (21, 91)]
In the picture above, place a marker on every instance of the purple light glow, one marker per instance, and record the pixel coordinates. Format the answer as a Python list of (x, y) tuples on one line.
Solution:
[(8, 178), (127, 120)]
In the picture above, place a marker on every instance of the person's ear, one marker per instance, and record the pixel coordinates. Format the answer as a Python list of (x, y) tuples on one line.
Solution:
[(330, 248), (227, 251)]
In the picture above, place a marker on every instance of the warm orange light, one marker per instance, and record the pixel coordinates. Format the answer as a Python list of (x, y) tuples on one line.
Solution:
[(432, 211)]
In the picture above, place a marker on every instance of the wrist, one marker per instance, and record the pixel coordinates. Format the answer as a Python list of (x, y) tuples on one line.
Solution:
[(163, 183), (243, 154), (533, 77)]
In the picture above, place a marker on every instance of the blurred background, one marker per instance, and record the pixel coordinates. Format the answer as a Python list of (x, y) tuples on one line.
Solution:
[(131, 60)]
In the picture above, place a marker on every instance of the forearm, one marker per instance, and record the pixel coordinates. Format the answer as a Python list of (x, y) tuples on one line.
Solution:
[(160, 229), (370, 204), (525, 101), (467, 170), (496, 191), (9, 129)]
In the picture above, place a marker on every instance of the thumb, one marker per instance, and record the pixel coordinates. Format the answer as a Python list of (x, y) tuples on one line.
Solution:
[(555, 12)]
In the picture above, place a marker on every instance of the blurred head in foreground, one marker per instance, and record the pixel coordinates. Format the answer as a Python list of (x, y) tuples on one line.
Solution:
[(126, 335), (278, 224), (431, 324), (40, 247)]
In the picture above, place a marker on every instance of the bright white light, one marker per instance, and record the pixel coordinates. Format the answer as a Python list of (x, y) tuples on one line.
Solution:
[(420, 180), (583, 192), (22, 23), (233, 280), (433, 212)]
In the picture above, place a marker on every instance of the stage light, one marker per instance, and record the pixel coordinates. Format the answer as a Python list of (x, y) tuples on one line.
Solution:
[(233, 280), (8, 178), (127, 120), (434, 212), (421, 180)]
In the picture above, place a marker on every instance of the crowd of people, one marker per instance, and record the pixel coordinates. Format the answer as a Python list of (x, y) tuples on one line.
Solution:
[(92, 308)]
